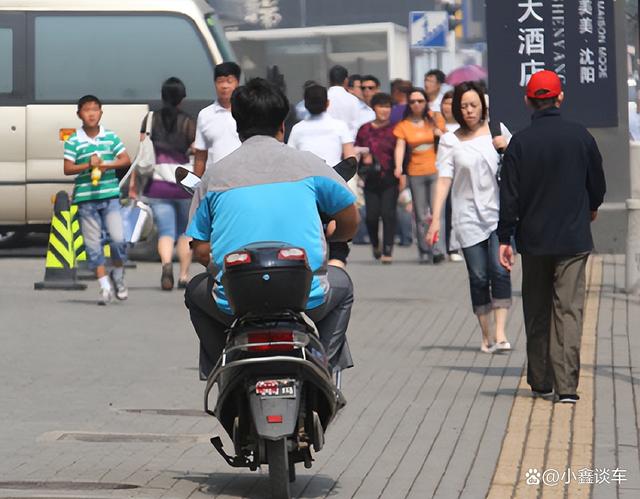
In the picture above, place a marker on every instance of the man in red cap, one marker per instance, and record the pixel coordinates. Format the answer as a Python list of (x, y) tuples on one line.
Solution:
[(552, 184)]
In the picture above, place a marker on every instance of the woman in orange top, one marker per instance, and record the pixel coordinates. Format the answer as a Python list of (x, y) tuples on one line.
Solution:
[(420, 129)]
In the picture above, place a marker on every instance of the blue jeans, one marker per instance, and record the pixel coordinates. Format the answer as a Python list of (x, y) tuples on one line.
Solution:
[(490, 283), (96, 217), (170, 216)]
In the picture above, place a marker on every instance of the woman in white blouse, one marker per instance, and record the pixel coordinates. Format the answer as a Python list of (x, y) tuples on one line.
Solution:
[(468, 166)]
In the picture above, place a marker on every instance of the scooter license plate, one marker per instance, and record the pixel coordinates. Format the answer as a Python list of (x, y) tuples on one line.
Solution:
[(276, 388)]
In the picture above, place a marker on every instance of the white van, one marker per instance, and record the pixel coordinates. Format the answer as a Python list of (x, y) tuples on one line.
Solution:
[(52, 52)]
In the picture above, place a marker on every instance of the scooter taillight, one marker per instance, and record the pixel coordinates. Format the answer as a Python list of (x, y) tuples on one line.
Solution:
[(271, 340), (262, 341)]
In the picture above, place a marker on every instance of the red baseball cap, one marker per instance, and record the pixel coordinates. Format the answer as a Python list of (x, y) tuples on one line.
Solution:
[(544, 80)]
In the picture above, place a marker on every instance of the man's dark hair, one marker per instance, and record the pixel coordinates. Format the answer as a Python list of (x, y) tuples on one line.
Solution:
[(440, 76), (85, 99), (353, 79), (371, 78), (381, 99), (315, 99), (259, 108), (228, 68), (337, 75), (458, 92), (309, 83), (539, 104)]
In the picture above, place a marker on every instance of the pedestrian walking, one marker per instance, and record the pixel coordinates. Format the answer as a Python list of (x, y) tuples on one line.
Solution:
[(381, 180), (552, 186), (326, 137), (452, 125), (329, 139), (343, 105), (468, 166), (420, 130), (433, 81), (93, 153), (216, 134), (172, 134)]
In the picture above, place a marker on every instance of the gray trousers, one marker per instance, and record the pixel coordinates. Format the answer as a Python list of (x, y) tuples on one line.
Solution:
[(422, 187), (553, 292), (331, 319)]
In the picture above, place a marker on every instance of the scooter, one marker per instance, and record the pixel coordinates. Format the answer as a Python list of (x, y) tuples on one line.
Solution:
[(276, 393)]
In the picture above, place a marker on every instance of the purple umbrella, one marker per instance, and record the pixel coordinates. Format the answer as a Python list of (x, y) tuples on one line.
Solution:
[(470, 72)]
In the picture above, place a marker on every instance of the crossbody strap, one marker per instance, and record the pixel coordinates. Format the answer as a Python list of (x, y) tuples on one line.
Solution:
[(149, 124)]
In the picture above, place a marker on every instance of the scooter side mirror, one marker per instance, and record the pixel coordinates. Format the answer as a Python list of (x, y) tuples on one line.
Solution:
[(189, 181), (347, 168)]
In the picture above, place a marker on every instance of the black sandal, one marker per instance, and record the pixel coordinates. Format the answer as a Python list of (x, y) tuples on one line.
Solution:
[(166, 281)]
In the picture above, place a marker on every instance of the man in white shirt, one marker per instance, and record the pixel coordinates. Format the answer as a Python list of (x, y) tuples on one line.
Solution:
[(433, 81), (216, 134), (324, 136), (343, 105)]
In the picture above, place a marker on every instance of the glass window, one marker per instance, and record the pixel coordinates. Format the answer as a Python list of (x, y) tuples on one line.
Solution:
[(118, 58), (6, 61), (215, 27)]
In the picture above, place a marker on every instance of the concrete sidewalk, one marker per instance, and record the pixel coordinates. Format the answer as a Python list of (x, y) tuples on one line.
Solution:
[(104, 402)]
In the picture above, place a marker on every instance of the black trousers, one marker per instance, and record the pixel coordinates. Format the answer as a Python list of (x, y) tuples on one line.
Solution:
[(381, 203), (331, 319)]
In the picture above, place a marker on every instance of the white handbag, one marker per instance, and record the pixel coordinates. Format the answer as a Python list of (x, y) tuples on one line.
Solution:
[(146, 158)]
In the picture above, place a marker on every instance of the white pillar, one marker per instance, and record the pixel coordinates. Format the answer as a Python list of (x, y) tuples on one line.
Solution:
[(633, 222)]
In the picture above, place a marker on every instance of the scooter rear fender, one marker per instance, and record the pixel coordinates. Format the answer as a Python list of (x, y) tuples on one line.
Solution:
[(274, 418)]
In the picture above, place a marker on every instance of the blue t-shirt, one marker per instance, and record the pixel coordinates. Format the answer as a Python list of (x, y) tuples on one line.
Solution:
[(266, 191)]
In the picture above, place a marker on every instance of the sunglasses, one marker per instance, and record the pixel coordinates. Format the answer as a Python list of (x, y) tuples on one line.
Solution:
[(368, 88), (417, 101)]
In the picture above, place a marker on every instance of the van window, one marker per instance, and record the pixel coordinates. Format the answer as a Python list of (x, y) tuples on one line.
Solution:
[(123, 58), (6, 61)]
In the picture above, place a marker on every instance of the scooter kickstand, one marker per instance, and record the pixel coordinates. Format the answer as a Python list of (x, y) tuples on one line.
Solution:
[(236, 461)]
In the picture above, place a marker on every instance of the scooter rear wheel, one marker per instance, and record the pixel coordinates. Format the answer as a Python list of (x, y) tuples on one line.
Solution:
[(278, 460)]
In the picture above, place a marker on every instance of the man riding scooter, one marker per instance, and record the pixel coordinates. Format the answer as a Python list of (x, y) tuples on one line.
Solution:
[(267, 191)]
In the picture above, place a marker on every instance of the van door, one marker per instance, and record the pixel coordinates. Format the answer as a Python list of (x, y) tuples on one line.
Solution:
[(12, 118), (122, 58)]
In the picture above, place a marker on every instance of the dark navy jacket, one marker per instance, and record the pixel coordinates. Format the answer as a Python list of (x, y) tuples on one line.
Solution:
[(551, 180)]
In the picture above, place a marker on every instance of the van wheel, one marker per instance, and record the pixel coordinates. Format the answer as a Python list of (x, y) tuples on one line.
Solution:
[(11, 239), (278, 460)]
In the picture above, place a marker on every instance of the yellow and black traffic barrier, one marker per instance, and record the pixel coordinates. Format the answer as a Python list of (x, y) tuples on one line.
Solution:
[(60, 265), (83, 272)]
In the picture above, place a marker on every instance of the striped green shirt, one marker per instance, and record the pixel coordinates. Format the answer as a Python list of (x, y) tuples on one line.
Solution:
[(79, 148)]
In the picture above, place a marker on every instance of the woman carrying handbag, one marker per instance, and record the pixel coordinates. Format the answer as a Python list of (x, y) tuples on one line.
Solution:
[(172, 132), (468, 164), (420, 130), (381, 180)]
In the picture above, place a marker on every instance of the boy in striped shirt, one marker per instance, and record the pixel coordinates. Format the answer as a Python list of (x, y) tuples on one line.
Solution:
[(93, 154)]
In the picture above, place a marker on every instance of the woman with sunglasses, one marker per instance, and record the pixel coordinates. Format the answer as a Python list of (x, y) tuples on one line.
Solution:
[(420, 130), (468, 164)]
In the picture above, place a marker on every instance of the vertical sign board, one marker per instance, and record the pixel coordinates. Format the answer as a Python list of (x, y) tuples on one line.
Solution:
[(428, 29), (576, 39)]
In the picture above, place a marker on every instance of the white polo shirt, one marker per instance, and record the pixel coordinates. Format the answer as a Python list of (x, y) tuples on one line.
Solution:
[(322, 135), (345, 107), (216, 133)]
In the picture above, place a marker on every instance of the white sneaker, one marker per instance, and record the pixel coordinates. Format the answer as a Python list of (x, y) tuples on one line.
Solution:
[(105, 296), (122, 292), (456, 257)]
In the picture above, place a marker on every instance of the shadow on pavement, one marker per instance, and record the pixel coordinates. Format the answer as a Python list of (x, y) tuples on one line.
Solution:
[(254, 485), (487, 371)]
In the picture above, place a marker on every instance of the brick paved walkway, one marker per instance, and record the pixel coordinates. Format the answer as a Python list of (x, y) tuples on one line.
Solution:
[(109, 396)]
